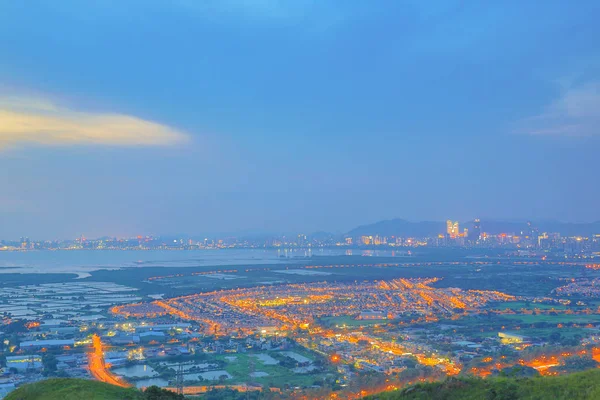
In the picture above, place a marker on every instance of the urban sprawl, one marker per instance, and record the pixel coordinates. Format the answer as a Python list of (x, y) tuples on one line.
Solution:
[(461, 303)]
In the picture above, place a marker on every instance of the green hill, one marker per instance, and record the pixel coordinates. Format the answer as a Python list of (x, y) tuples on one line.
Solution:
[(78, 389), (72, 389), (577, 386)]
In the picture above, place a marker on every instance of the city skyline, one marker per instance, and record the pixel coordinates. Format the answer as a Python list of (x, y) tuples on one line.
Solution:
[(299, 200), (447, 227)]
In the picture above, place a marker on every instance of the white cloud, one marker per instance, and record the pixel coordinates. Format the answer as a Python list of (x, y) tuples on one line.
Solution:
[(38, 120), (575, 113)]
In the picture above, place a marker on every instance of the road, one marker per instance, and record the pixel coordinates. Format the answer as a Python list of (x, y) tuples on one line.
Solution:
[(98, 367)]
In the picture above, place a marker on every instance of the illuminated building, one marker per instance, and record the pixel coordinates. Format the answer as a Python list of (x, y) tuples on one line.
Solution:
[(24, 362), (452, 229), (39, 344), (24, 242), (510, 338), (301, 240), (268, 330), (596, 242), (476, 229), (542, 239), (369, 314)]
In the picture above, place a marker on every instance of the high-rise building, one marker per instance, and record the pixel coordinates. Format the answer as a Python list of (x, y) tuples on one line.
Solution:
[(301, 240), (476, 232), (452, 229)]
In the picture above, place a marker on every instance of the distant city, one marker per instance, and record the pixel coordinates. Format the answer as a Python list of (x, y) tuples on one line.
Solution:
[(303, 316), (526, 239), (299, 200)]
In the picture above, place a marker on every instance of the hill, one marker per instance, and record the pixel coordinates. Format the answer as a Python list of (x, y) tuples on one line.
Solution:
[(577, 386), (77, 389)]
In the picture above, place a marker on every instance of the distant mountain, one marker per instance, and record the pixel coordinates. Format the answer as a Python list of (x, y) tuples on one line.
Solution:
[(571, 228), (402, 227), (322, 235)]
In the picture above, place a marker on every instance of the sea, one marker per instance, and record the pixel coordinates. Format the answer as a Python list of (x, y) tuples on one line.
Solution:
[(82, 262)]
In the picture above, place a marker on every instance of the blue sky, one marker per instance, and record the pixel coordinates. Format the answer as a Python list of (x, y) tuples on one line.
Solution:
[(149, 117)]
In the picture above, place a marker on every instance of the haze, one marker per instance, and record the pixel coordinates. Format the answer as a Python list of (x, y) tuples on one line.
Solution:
[(142, 117)]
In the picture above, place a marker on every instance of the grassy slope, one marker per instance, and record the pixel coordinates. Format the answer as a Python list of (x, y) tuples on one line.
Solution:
[(72, 389), (578, 386)]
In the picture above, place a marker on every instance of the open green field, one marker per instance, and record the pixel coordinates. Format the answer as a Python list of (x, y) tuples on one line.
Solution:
[(517, 305), (526, 325), (279, 376)]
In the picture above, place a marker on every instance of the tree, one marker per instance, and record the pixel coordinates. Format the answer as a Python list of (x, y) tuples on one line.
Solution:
[(578, 363), (16, 327), (49, 363), (555, 337), (156, 393), (61, 373), (410, 362), (519, 371), (223, 378), (504, 391)]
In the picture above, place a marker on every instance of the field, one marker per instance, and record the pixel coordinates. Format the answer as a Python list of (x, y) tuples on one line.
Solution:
[(278, 376), (533, 326), (517, 305)]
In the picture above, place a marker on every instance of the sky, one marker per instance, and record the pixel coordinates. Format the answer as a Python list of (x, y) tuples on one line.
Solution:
[(164, 117)]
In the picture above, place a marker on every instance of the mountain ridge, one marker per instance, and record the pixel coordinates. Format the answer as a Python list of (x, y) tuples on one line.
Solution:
[(403, 227)]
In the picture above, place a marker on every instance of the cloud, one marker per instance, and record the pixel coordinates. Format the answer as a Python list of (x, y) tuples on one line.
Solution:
[(575, 113), (37, 120)]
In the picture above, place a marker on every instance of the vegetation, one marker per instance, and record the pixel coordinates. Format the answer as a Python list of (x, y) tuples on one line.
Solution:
[(229, 394), (77, 389), (577, 386), (511, 385)]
